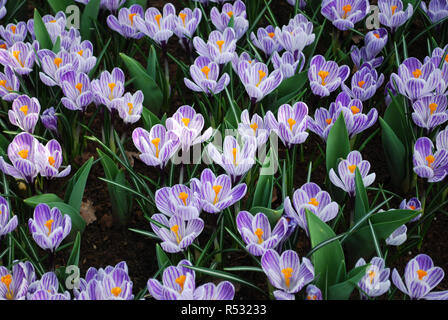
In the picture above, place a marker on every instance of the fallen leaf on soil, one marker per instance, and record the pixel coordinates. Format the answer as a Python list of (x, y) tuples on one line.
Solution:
[(131, 155), (106, 221), (88, 212), (356, 38)]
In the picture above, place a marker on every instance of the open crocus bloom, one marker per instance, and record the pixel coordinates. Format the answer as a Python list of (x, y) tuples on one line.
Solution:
[(266, 40), (346, 170), (237, 11), (46, 289), (49, 160), (365, 83), (421, 277), (216, 193), (311, 197), (25, 113), (326, 76), (287, 64), (442, 140), (55, 65), (13, 33), (427, 164), (234, 159), (205, 75), (285, 272), (236, 59), (376, 281), (255, 127), (178, 283), (256, 232), (209, 291), (291, 123), (124, 25), (436, 11), (20, 57), (220, 46), (178, 200), (295, 36), (9, 82), (55, 25), (129, 107), (187, 22), (430, 112), (84, 52), (178, 234), (313, 293), (49, 227), (345, 13), (412, 204), (157, 146), (14, 285), (108, 87), (77, 90), (6, 224), (392, 14)]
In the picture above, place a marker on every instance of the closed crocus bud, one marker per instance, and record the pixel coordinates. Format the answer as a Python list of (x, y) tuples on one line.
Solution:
[(50, 120)]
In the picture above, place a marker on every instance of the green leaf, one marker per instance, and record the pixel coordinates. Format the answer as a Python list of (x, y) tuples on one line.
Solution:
[(151, 67), (395, 116), (77, 184), (162, 259), (57, 45), (89, 15), (328, 261), (290, 87), (142, 3), (59, 5), (273, 215), (265, 184), (142, 81), (361, 200), (343, 290), (149, 119), (41, 32), (42, 198), (73, 260), (338, 144)]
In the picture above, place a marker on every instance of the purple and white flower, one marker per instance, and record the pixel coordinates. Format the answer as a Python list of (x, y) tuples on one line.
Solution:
[(209, 291), (255, 127), (374, 42), (436, 11), (302, 3), (266, 40), (205, 74), (326, 76), (46, 289), (187, 22), (345, 13), (77, 90), (84, 53), (6, 224), (14, 285), (49, 160), (313, 293), (54, 66), (179, 201), (55, 25), (398, 237), (287, 64), (412, 204), (20, 57), (392, 14), (220, 46), (295, 36), (365, 83), (430, 111), (156, 25), (25, 113), (237, 12), (50, 120), (124, 24), (376, 281), (427, 164), (2, 8), (108, 87), (129, 107), (9, 83), (13, 33)]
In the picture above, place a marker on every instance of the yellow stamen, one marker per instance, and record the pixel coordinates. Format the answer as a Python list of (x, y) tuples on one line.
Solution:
[(80, 52), (175, 230), (230, 14), (57, 62), (157, 18), (130, 108), (183, 16), (186, 121), (347, 8), (3, 46), (3, 84), (361, 83), (446, 57), (421, 273), (352, 168), (291, 123), (131, 18), (314, 202), (7, 280), (412, 207), (355, 109), (261, 75), (16, 55), (53, 21), (329, 121), (254, 127), (220, 43), (259, 233), (24, 109), (377, 35), (430, 159), (48, 224), (51, 161), (111, 86), (417, 73), (13, 29), (287, 273), (156, 142), (217, 190), (372, 275), (205, 71), (23, 153), (79, 87), (323, 74), (393, 8), (181, 281), (116, 291), (433, 107), (183, 196), (271, 34), (313, 297), (234, 151)]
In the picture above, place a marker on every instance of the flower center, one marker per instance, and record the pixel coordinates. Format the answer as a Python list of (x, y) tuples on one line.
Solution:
[(80, 52), (16, 55), (13, 29), (271, 34), (261, 75), (7, 280), (205, 71), (157, 18), (393, 8), (3, 46), (412, 207), (79, 87), (361, 83), (329, 121), (49, 224), (446, 57), (130, 108), (186, 121), (181, 281), (217, 189), (116, 291), (234, 152), (24, 109), (347, 8), (313, 297), (57, 61), (156, 142), (220, 43), (230, 14), (291, 123), (111, 86), (417, 73), (323, 75), (183, 196), (433, 107), (377, 35), (51, 161), (254, 127), (430, 159), (175, 230), (355, 109), (421, 273), (183, 16), (23, 153), (131, 18), (53, 21), (352, 168), (372, 276), (259, 233), (287, 274), (314, 202)]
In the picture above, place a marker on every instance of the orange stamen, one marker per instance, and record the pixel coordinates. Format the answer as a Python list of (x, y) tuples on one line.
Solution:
[(156, 142), (355, 109), (352, 168), (259, 233), (183, 196), (217, 189)]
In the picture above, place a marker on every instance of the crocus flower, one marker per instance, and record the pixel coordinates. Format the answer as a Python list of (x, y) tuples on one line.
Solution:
[(237, 12), (442, 140), (13, 33), (295, 36), (326, 76), (287, 64), (14, 285), (256, 232), (20, 57), (398, 237), (412, 204), (302, 3), (375, 282), (108, 87), (313, 293), (22, 154), (216, 193), (439, 57), (84, 53), (55, 25), (220, 46), (291, 123), (421, 277), (2, 8), (6, 224), (310, 196), (129, 107), (436, 11), (266, 40), (255, 127), (209, 291), (49, 160), (178, 234), (236, 160), (54, 66), (71, 39), (111, 5), (25, 113), (77, 91), (46, 289), (345, 13), (324, 120), (430, 111), (346, 170), (416, 80), (236, 59), (157, 146), (285, 272), (187, 22), (156, 25), (187, 125), (179, 201), (124, 25), (50, 120), (392, 14), (8, 84), (178, 283), (205, 73), (49, 227), (365, 82), (374, 42), (256, 79), (427, 164)]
